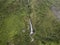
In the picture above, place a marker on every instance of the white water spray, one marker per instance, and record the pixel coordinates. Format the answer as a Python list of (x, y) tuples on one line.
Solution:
[(31, 31), (31, 28)]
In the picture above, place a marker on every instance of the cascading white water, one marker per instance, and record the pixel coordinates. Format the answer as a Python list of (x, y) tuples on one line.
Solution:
[(31, 28)]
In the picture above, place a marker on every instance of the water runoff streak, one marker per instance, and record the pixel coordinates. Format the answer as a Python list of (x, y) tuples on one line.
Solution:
[(30, 26), (31, 30)]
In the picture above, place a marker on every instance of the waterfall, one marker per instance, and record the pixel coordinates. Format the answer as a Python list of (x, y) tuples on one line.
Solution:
[(31, 30), (30, 26)]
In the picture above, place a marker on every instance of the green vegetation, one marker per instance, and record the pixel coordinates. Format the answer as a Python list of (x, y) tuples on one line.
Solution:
[(14, 22)]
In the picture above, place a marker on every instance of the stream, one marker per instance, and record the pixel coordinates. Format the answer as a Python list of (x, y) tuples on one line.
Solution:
[(30, 26), (31, 30)]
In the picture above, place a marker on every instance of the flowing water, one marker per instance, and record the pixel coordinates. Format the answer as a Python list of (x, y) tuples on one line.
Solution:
[(31, 30), (31, 27)]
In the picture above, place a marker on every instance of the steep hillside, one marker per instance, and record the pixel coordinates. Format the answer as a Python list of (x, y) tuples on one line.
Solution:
[(19, 17)]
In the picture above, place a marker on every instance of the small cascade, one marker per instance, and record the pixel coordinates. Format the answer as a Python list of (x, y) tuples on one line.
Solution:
[(31, 30), (30, 26)]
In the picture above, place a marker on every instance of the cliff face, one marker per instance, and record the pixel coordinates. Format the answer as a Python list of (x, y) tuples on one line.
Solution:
[(15, 27)]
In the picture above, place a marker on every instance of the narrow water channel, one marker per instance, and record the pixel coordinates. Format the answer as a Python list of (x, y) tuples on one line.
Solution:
[(31, 30), (30, 26)]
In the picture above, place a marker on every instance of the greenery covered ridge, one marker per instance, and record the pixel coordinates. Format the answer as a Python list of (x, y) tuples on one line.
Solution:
[(14, 18), (47, 25)]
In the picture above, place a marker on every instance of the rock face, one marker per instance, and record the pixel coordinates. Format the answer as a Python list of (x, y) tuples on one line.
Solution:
[(56, 11)]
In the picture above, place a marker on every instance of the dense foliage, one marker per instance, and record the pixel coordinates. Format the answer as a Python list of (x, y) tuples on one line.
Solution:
[(14, 22)]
